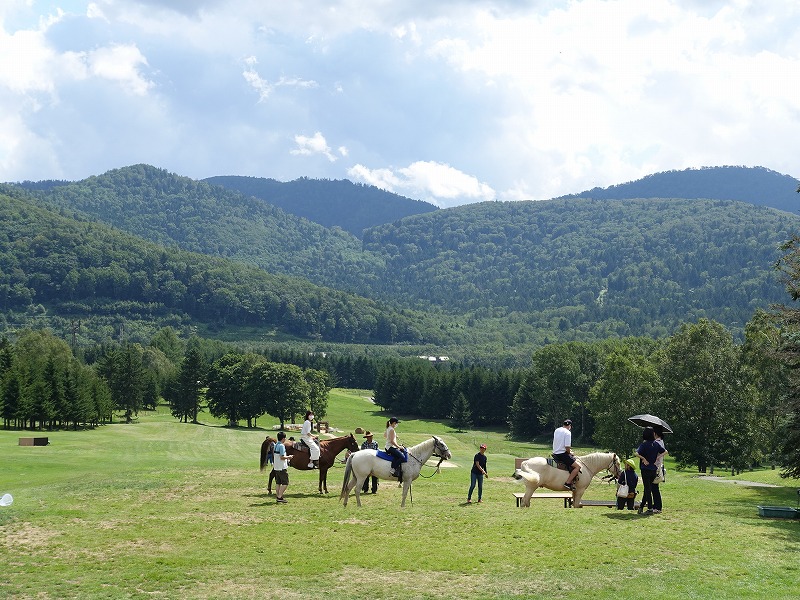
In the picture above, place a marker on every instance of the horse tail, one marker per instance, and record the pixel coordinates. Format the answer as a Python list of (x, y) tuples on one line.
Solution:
[(348, 470), (264, 451), (531, 477)]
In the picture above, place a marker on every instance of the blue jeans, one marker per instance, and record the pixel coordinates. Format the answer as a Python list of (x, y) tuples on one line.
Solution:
[(475, 478)]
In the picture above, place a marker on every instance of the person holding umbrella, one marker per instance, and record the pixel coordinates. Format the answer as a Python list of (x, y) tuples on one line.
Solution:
[(648, 453)]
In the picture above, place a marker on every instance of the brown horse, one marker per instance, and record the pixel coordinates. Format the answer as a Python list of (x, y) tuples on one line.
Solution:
[(328, 451)]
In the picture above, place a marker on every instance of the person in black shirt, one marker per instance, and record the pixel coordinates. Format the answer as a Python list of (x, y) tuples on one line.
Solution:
[(477, 473)]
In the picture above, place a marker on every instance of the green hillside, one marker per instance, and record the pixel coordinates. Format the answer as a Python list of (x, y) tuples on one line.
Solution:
[(627, 267), (756, 185), (491, 278), (55, 267), (353, 207), (177, 211)]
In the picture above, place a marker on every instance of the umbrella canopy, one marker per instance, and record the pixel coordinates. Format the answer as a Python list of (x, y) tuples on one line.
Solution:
[(659, 425)]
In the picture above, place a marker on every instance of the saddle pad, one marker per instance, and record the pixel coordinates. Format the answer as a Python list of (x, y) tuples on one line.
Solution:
[(384, 456)]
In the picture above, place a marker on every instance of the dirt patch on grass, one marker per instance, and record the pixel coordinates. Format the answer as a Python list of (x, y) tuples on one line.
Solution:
[(25, 536)]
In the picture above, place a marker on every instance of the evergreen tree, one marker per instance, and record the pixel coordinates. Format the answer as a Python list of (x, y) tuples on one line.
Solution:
[(461, 414), (185, 388)]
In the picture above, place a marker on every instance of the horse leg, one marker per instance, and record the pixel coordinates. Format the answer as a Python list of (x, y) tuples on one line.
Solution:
[(356, 484), (406, 487), (322, 481), (532, 482), (577, 495)]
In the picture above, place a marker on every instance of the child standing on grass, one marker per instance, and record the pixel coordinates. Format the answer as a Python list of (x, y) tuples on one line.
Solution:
[(281, 468)]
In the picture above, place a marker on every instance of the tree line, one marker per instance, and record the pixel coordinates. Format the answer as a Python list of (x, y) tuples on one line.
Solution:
[(728, 403)]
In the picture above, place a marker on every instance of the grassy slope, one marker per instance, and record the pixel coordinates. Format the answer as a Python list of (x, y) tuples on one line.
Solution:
[(171, 510)]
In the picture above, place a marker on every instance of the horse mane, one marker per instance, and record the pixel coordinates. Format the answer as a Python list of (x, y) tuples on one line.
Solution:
[(597, 461)]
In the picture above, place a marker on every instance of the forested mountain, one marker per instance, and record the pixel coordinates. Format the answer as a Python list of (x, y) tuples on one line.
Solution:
[(498, 274), (52, 264), (171, 210), (625, 267), (340, 203), (755, 185)]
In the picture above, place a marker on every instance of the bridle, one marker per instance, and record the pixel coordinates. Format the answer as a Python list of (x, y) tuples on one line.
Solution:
[(612, 475), (439, 449)]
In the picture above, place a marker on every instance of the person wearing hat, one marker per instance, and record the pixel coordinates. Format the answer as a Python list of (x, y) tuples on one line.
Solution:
[(562, 452), (477, 473), (629, 477), (394, 449), (369, 444)]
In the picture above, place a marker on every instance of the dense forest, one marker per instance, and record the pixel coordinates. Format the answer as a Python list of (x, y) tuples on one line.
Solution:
[(496, 280), (51, 263), (177, 211), (755, 185), (353, 207), (632, 267)]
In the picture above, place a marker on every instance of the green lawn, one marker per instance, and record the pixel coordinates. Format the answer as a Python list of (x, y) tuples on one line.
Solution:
[(160, 509)]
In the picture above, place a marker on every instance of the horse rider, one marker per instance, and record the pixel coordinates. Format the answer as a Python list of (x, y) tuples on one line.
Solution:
[(394, 449), (562, 452), (310, 440)]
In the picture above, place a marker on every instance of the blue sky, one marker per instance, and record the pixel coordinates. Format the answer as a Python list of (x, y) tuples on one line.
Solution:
[(452, 102)]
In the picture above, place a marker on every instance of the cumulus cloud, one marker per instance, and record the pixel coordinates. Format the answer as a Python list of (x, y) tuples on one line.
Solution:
[(435, 182), (316, 144), (452, 102)]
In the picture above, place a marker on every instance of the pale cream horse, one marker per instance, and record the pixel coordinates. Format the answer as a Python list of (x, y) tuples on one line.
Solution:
[(364, 463), (537, 473)]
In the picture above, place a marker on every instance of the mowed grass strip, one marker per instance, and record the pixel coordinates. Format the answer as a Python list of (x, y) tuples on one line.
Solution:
[(170, 510)]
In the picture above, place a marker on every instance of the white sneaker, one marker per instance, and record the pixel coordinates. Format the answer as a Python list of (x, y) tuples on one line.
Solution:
[(310, 465)]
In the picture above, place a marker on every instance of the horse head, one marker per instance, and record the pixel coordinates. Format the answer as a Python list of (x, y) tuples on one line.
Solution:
[(352, 444), (440, 449), (614, 469)]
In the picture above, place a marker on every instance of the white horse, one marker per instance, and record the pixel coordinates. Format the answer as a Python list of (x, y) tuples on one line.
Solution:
[(364, 463), (537, 473)]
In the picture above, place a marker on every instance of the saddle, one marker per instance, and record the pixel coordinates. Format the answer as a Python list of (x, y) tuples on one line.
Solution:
[(381, 454), (551, 461)]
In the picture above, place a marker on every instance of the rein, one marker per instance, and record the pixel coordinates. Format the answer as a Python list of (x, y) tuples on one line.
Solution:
[(610, 477), (422, 464)]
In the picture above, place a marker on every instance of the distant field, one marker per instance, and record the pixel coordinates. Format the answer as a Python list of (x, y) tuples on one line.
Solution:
[(160, 509)]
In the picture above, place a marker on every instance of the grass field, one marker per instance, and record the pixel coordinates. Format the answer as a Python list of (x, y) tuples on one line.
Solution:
[(160, 509)]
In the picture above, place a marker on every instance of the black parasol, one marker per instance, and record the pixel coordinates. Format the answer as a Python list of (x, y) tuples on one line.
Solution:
[(659, 425)]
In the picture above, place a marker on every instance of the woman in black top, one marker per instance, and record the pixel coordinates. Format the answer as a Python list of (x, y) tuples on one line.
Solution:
[(648, 452), (477, 473)]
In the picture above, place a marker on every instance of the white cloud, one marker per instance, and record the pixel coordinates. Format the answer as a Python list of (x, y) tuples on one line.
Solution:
[(120, 64), (437, 183), (472, 99), (309, 146), (264, 87)]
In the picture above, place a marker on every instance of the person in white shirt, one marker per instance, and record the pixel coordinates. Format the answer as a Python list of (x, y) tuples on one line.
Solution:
[(562, 452), (310, 440), (280, 468)]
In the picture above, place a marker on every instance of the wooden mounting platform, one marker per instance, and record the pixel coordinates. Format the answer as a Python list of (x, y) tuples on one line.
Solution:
[(566, 496)]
